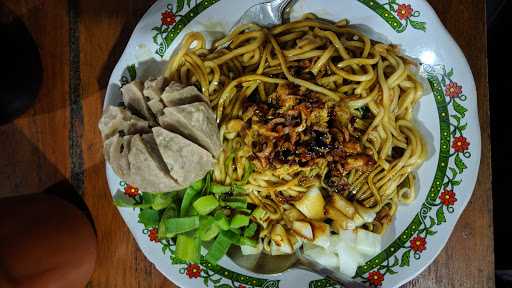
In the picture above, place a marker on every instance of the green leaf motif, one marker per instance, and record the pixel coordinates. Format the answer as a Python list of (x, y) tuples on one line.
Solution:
[(450, 73), (463, 127), (456, 117), (440, 215), (459, 109), (418, 25), (180, 4), (188, 3), (454, 172), (459, 163), (390, 271), (176, 260), (456, 182), (205, 281), (149, 218), (430, 232), (405, 258), (223, 286), (132, 72)]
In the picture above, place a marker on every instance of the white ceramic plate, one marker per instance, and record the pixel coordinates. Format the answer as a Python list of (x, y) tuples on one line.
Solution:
[(447, 116)]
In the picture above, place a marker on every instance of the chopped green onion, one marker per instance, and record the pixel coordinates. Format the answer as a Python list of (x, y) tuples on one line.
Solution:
[(248, 169), (205, 204), (237, 189), (250, 230), (235, 205), (207, 228), (235, 202), (219, 189), (162, 200), (219, 247), (198, 185), (233, 235), (188, 198), (188, 248), (244, 241), (259, 214), (221, 220), (175, 226), (239, 221), (244, 210)]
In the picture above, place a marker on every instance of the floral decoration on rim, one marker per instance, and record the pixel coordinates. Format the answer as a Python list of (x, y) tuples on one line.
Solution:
[(398, 15), (172, 22)]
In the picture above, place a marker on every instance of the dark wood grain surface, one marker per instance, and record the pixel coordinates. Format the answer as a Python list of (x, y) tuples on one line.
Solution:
[(58, 140)]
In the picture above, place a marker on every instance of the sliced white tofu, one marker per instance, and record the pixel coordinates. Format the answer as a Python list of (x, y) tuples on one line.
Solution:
[(321, 233), (349, 259), (368, 243), (323, 257)]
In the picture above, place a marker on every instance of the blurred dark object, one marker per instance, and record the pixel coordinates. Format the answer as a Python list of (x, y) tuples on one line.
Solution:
[(499, 14), (21, 73)]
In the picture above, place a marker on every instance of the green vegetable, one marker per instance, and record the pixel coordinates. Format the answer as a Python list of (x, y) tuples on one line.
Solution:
[(207, 228), (237, 189), (248, 169), (175, 226), (232, 235), (205, 204), (188, 198), (219, 189), (188, 248), (235, 202), (239, 221), (162, 200), (170, 212), (250, 230), (149, 218), (207, 182), (221, 245), (259, 214), (221, 220), (248, 242)]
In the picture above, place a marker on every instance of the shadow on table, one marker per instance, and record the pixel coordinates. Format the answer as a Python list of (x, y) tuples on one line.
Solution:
[(26, 170)]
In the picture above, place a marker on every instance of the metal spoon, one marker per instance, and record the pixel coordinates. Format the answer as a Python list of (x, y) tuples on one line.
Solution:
[(274, 264)]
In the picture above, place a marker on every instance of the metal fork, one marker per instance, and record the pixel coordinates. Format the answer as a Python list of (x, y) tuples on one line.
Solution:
[(267, 13)]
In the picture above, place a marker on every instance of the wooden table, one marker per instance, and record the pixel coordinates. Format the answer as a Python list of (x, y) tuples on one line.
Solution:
[(57, 141)]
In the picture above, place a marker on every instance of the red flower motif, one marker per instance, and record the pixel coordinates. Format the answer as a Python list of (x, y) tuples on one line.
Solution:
[(404, 11), (131, 191), (193, 271), (460, 144), (241, 286), (418, 244), (168, 18), (153, 235), (453, 90), (375, 278), (447, 197)]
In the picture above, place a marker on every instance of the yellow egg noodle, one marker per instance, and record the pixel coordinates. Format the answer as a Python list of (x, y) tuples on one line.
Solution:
[(308, 104)]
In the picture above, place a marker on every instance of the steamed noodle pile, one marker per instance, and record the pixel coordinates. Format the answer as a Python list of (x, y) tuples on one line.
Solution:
[(367, 89)]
